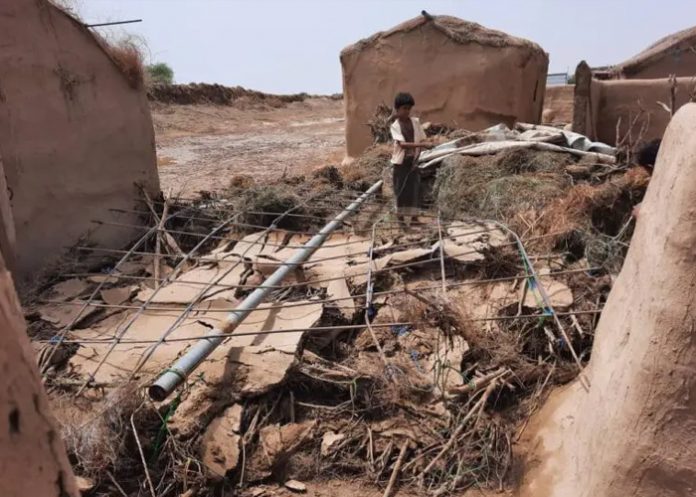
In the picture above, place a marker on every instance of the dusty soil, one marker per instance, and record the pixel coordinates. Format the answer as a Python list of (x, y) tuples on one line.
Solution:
[(200, 147), (344, 488)]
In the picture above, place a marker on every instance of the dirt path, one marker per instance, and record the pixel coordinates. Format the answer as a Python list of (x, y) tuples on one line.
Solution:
[(201, 147)]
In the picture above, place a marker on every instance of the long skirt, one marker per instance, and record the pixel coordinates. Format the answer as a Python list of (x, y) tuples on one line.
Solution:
[(407, 187)]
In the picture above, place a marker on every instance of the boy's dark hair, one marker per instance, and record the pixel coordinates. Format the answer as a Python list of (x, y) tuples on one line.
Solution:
[(647, 153), (403, 99)]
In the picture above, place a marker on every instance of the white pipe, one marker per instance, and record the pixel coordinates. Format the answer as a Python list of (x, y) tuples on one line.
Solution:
[(186, 364)]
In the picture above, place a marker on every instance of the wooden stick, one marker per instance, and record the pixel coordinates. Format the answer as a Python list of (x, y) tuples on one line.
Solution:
[(142, 454), (376, 341), (118, 487), (442, 257), (158, 241), (454, 436), (371, 449), (385, 456), (479, 383), (577, 325), (397, 469), (168, 239), (484, 399)]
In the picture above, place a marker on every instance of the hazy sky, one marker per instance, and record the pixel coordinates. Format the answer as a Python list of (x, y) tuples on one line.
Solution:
[(289, 46)]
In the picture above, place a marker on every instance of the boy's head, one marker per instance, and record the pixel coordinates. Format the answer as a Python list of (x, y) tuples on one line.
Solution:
[(403, 104)]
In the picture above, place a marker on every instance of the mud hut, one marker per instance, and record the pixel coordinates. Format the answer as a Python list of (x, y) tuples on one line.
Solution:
[(673, 54), (626, 112), (460, 73), (75, 132)]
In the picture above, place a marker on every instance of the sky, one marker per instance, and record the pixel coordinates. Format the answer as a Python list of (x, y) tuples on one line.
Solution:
[(292, 46)]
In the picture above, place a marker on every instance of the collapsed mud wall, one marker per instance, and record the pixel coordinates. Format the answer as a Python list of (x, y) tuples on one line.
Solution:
[(460, 74), (603, 108), (33, 457), (75, 135), (630, 434), (558, 104), (203, 93)]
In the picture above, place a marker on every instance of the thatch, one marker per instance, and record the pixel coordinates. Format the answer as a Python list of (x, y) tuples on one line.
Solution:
[(458, 30)]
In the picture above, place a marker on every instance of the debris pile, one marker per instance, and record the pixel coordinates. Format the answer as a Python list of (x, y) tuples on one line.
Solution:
[(557, 188), (458, 348)]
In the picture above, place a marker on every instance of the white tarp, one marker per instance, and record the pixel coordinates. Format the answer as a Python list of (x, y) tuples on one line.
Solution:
[(500, 138)]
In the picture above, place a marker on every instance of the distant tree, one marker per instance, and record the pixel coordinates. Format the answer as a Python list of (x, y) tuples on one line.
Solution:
[(161, 73)]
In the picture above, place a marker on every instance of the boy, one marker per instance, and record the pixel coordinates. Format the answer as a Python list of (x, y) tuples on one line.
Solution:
[(409, 139)]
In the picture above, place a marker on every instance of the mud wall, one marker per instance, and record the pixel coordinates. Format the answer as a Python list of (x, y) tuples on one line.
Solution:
[(75, 135), (203, 93), (7, 228), (629, 435), (682, 64), (633, 102), (558, 104), (32, 456), (469, 86)]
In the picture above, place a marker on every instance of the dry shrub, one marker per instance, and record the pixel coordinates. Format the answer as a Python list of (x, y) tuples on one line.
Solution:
[(99, 443), (127, 55), (379, 124), (328, 175), (499, 186), (261, 204), (368, 168), (596, 217), (241, 182)]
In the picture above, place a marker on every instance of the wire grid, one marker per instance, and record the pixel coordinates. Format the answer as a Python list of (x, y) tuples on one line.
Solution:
[(230, 221)]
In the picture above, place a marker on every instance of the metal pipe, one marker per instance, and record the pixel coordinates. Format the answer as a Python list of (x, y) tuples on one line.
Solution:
[(115, 23), (178, 372)]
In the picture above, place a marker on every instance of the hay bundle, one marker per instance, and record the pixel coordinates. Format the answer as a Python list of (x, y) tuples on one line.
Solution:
[(497, 187), (262, 204), (368, 169), (598, 217)]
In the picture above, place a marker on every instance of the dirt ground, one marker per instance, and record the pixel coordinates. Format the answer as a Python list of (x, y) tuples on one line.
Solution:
[(348, 488), (200, 147)]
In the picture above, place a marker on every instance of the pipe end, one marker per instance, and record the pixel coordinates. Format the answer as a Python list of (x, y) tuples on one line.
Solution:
[(157, 393)]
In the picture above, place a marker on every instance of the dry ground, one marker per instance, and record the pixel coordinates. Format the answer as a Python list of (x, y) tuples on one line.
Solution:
[(200, 147)]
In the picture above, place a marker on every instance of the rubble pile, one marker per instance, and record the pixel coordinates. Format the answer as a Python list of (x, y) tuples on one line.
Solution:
[(400, 357)]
